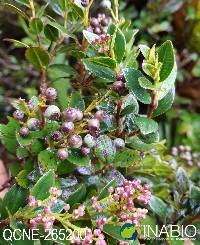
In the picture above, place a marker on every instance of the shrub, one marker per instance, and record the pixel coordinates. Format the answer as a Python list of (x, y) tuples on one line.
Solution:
[(78, 145)]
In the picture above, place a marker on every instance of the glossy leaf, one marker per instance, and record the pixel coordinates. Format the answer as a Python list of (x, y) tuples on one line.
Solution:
[(13, 200), (146, 125), (158, 206), (36, 25), (41, 189), (165, 103), (51, 33), (104, 193), (118, 42), (48, 160), (38, 57), (99, 70), (131, 75), (16, 10)]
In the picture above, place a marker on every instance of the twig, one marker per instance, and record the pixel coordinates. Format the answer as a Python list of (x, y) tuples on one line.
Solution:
[(153, 105)]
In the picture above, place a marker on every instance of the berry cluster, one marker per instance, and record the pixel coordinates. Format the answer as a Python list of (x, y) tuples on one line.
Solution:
[(71, 122), (102, 43), (120, 204), (184, 152), (100, 23)]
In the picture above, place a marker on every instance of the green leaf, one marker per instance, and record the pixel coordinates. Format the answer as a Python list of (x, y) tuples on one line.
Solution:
[(158, 207), (36, 25), (22, 152), (146, 125), (13, 200), (138, 144), (129, 105), (113, 231), (41, 189), (77, 158), (7, 135), (165, 103), (99, 70), (150, 138), (57, 71), (56, 8), (145, 50), (167, 58), (38, 57), (22, 179), (118, 42), (62, 86), (104, 193), (182, 180), (77, 10), (51, 33), (195, 193), (17, 43), (62, 29), (105, 149), (164, 87), (48, 160), (126, 158), (63, 4), (76, 101), (145, 83), (131, 75), (90, 36), (16, 10), (77, 196), (103, 61)]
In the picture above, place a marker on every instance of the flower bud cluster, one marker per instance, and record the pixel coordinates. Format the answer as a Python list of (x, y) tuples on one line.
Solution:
[(100, 23), (102, 43), (45, 219), (121, 203)]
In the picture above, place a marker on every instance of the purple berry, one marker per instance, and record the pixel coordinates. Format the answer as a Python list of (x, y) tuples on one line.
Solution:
[(56, 136), (75, 141), (52, 112), (33, 124), (118, 87), (70, 114), (93, 123), (62, 154), (23, 132), (51, 94), (101, 115), (79, 115), (85, 3), (67, 127), (94, 22), (18, 115), (97, 30), (119, 76), (85, 151)]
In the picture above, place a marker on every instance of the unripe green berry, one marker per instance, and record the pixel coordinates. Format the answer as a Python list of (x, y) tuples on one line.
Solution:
[(33, 124), (89, 141), (52, 112)]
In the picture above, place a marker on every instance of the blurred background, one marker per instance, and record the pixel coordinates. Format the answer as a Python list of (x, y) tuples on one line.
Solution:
[(157, 20)]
